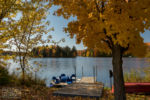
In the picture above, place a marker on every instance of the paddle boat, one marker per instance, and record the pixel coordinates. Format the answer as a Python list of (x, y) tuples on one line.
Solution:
[(62, 80)]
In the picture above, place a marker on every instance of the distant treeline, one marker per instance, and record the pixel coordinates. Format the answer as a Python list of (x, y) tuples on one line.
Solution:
[(57, 51), (54, 51), (9, 53), (95, 53)]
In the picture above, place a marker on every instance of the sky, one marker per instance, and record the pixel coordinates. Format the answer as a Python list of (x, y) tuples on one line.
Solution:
[(59, 22)]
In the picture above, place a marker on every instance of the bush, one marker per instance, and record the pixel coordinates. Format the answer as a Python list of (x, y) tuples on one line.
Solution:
[(4, 76), (139, 75), (14, 80), (30, 80)]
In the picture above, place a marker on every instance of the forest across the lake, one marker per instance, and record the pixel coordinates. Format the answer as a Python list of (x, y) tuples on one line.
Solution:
[(58, 51)]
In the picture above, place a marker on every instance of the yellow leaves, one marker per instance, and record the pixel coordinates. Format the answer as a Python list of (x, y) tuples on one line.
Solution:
[(13, 15), (26, 30), (17, 69), (50, 46), (18, 1), (51, 29), (49, 37), (53, 51), (38, 30), (122, 21), (127, 1), (87, 53), (90, 15), (5, 57), (101, 15), (146, 10), (2, 28), (145, 19), (140, 50), (80, 28)]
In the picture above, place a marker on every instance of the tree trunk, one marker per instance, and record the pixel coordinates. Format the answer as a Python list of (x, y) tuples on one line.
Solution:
[(119, 89), (23, 71), (23, 76), (22, 65)]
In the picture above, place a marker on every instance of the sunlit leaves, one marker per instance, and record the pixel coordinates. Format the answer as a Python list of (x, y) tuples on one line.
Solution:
[(27, 31), (100, 22), (8, 10)]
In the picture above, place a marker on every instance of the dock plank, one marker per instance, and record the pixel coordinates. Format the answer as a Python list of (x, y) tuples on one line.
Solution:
[(81, 89), (87, 80)]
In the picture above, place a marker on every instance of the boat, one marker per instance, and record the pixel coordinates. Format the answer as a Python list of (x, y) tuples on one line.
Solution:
[(143, 87), (62, 80)]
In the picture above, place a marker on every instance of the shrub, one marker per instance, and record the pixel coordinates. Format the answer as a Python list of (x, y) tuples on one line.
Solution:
[(4, 76)]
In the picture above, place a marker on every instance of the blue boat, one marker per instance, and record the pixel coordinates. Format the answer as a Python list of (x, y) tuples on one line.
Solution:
[(62, 80)]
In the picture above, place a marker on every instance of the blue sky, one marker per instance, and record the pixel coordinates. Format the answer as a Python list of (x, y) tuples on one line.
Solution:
[(59, 22)]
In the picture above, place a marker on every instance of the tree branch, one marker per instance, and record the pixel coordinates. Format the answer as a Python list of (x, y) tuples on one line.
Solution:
[(5, 11)]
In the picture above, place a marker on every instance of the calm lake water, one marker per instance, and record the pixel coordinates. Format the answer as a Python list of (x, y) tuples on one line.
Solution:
[(56, 66)]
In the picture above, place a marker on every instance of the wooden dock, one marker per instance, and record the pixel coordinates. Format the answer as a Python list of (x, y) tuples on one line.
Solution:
[(87, 80), (85, 88)]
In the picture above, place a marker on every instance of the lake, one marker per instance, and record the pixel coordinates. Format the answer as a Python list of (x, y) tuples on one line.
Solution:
[(56, 66)]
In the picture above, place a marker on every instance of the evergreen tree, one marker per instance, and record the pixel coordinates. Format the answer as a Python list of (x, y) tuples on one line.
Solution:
[(58, 51), (74, 51)]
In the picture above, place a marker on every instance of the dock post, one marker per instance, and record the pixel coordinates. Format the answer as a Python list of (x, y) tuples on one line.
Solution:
[(96, 73), (35, 77), (82, 71), (75, 69)]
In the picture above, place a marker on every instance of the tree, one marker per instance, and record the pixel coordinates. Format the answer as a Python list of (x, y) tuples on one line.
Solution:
[(8, 9), (58, 51), (44, 51), (27, 31), (113, 26), (87, 53), (53, 52), (67, 51), (74, 51), (50, 52), (34, 52)]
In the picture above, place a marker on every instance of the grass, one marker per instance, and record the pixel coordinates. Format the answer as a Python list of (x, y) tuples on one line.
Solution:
[(16, 80), (37, 92), (139, 75)]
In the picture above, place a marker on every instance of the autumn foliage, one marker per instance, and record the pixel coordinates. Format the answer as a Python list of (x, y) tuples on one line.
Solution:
[(54, 51)]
